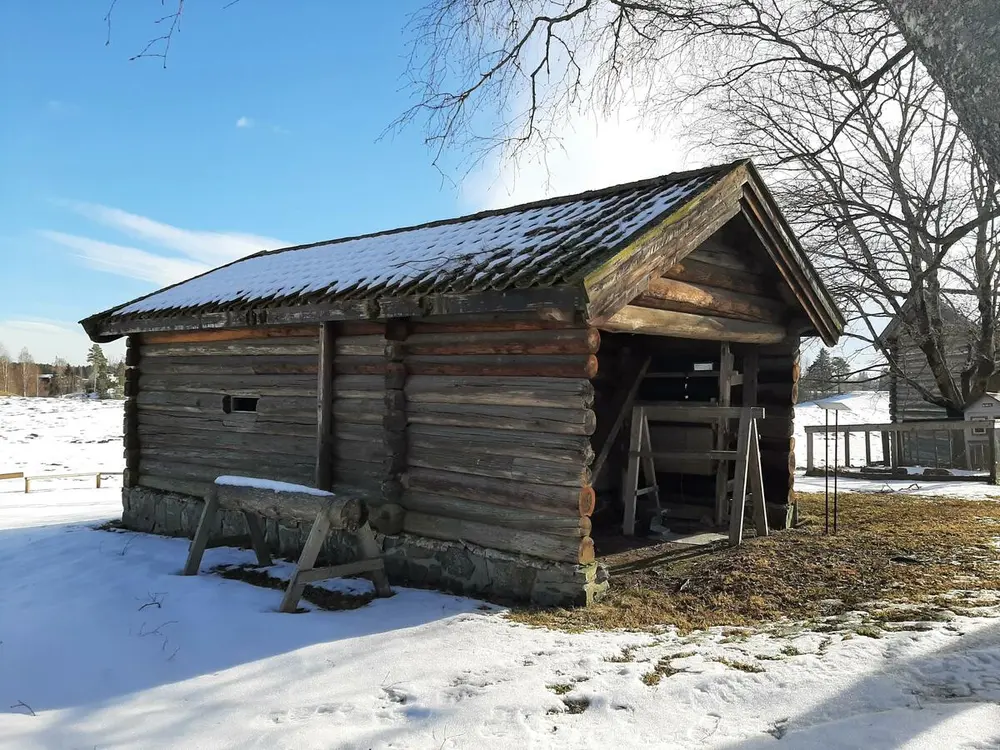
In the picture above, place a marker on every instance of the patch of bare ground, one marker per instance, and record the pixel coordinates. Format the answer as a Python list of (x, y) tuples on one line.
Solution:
[(890, 549)]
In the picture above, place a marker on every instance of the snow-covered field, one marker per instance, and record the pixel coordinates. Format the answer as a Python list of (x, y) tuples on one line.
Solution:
[(864, 407), (103, 645)]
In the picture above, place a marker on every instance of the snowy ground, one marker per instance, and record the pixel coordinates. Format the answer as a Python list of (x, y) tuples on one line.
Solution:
[(103, 645)]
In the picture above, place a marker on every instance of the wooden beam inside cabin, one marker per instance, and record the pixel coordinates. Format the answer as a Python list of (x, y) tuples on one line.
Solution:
[(646, 320)]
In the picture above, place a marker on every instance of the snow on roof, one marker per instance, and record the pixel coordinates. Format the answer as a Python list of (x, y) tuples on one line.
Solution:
[(539, 244)]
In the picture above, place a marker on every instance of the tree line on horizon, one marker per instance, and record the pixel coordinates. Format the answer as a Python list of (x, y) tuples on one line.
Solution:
[(24, 376)]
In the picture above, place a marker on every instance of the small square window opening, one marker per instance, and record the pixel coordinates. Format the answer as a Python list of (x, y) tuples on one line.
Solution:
[(239, 404)]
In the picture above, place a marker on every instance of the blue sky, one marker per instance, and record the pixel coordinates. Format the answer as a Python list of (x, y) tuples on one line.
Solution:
[(119, 177)]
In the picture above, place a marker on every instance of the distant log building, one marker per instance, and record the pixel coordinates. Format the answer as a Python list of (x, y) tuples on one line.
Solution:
[(470, 371)]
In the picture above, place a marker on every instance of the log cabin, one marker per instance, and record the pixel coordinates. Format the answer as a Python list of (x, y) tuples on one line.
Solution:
[(475, 373)]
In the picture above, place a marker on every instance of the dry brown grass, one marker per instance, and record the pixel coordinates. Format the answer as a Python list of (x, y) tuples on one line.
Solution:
[(890, 548)]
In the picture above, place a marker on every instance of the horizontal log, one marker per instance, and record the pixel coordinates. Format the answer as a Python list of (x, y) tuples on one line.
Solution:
[(245, 348), (557, 341), (466, 323), (190, 487), (352, 431), (359, 328), (496, 515), (535, 392), (298, 364), (546, 498), (683, 296), (203, 473), (359, 346), (211, 403), (562, 421), (504, 467), (358, 386), (536, 446), (258, 385), (534, 544), (717, 254), (347, 513), (697, 272), (358, 410), (229, 334), (233, 442), (221, 462), (351, 365), (505, 365), (182, 422), (372, 452), (646, 320)]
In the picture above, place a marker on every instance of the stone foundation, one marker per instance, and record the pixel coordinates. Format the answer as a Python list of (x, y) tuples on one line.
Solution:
[(451, 566)]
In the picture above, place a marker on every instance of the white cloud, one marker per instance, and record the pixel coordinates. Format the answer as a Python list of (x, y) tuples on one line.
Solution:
[(244, 122), (204, 246), (48, 339), (128, 261)]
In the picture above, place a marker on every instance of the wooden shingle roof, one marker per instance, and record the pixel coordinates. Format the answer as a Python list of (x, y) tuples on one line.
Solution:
[(553, 248)]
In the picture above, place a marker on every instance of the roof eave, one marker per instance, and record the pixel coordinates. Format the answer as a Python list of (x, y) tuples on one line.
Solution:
[(552, 302)]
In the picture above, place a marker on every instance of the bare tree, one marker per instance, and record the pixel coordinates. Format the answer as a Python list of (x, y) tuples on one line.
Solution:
[(28, 372), (958, 43), (4, 370), (865, 155)]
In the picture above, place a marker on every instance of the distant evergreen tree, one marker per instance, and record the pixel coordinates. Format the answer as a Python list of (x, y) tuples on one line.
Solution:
[(98, 370), (840, 375), (818, 377)]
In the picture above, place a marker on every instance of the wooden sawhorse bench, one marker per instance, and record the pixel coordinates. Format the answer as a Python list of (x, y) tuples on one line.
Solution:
[(326, 511)]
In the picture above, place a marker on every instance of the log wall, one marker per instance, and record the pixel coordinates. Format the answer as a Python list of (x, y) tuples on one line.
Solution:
[(777, 392), (498, 420), (185, 438)]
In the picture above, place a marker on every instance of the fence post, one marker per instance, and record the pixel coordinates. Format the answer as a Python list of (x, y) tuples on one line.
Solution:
[(809, 451), (993, 447), (847, 450), (868, 448)]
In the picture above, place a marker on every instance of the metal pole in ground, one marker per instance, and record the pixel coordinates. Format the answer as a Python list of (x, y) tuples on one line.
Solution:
[(836, 437), (826, 473)]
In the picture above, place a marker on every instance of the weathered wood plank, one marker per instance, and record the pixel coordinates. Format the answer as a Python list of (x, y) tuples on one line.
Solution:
[(296, 364), (550, 446), (505, 467), (198, 472), (228, 334), (190, 487), (258, 385), (360, 346), (496, 515), (540, 497), (494, 444), (225, 441), (180, 423), (559, 548), (556, 341), (358, 386), (495, 322), (212, 403), (505, 365), (563, 421), (635, 319), (696, 272), (682, 296), (533, 392), (244, 348)]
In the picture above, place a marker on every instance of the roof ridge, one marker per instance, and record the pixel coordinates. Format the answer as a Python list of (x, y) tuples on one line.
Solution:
[(541, 203)]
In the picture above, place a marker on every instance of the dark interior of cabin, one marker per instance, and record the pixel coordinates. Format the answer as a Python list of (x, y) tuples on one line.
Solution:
[(676, 371)]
